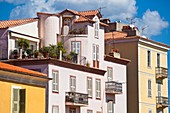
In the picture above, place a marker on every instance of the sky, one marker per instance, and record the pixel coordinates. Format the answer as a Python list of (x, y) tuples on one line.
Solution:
[(151, 15)]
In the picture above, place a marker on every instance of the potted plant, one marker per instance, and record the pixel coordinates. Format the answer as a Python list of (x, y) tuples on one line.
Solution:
[(59, 48), (45, 51), (15, 54), (29, 53), (23, 44), (35, 53), (74, 56)]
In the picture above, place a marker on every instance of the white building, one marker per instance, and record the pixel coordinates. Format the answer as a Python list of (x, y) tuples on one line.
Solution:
[(99, 87)]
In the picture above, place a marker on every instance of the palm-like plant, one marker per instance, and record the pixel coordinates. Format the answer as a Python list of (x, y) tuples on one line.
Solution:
[(23, 44)]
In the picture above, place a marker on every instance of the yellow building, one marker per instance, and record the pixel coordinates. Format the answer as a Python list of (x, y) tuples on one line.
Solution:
[(21, 90), (147, 78)]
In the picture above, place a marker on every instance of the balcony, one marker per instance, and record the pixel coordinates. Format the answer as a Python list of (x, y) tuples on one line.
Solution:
[(113, 87), (162, 102), (161, 72), (76, 99)]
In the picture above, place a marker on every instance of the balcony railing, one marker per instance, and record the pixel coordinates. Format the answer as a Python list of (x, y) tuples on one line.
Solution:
[(161, 72), (162, 101), (113, 87), (74, 98)]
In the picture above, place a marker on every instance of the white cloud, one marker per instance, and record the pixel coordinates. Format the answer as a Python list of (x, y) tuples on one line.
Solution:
[(152, 22), (114, 9)]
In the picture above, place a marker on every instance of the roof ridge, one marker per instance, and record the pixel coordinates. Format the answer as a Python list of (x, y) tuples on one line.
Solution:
[(18, 19)]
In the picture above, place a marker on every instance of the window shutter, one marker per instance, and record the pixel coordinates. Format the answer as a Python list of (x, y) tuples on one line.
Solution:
[(22, 93), (110, 74), (89, 87), (149, 88), (97, 53), (94, 52), (73, 84), (110, 107), (55, 109), (55, 81), (15, 107), (98, 89)]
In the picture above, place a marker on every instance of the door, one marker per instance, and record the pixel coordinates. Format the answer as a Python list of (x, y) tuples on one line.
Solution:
[(72, 110)]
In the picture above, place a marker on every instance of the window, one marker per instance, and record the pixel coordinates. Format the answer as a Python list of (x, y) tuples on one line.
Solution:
[(110, 107), (75, 47), (95, 55), (158, 60), (98, 88), (72, 83), (149, 111), (67, 21), (55, 109), (109, 73), (149, 58), (149, 88), (55, 81), (89, 87), (159, 88), (18, 101), (89, 111), (96, 29)]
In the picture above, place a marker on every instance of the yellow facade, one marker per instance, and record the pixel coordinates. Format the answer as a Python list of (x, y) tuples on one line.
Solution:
[(139, 73), (35, 97)]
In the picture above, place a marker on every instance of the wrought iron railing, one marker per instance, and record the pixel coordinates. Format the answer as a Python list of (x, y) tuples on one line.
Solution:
[(77, 98), (162, 100), (113, 87), (161, 72)]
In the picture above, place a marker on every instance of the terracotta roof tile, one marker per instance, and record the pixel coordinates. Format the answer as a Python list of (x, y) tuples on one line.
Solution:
[(12, 23), (8, 67), (89, 12), (115, 35)]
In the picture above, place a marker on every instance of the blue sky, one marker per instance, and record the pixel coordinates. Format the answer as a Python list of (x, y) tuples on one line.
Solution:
[(152, 14)]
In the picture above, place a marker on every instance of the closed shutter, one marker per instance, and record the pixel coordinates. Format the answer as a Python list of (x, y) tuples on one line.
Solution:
[(109, 74), (97, 53), (55, 81), (55, 109), (110, 107), (22, 93), (73, 84), (98, 89), (89, 86), (15, 107), (159, 89), (149, 88), (94, 52), (73, 46)]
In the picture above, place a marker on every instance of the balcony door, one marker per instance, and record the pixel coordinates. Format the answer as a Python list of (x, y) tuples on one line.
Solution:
[(72, 110), (76, 47), (159, 89)]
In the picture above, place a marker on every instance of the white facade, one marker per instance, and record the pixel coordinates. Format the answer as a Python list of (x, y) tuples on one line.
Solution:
[(91, 47)]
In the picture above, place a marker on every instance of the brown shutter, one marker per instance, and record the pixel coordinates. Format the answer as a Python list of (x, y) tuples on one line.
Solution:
[(22, 93)]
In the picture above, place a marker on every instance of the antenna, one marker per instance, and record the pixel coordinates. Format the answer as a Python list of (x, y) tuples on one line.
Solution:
[(100, 9), (143, 28), (131, 20)]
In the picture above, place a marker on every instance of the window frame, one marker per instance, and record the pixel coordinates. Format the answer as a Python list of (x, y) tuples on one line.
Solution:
[(90, 96), (55, 106), (149, 58), (56, 84), (72, 47), (71, 76), (158, 59), (108, 73), (98, 91), (96, 28), (112, 108), (150, 88)]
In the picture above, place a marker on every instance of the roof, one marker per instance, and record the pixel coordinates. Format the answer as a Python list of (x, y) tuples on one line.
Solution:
[(85, 16), (16, 69), (115, 35), (108, 36), (58, 63), (90, 13), (12, 23), (116, 60)]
